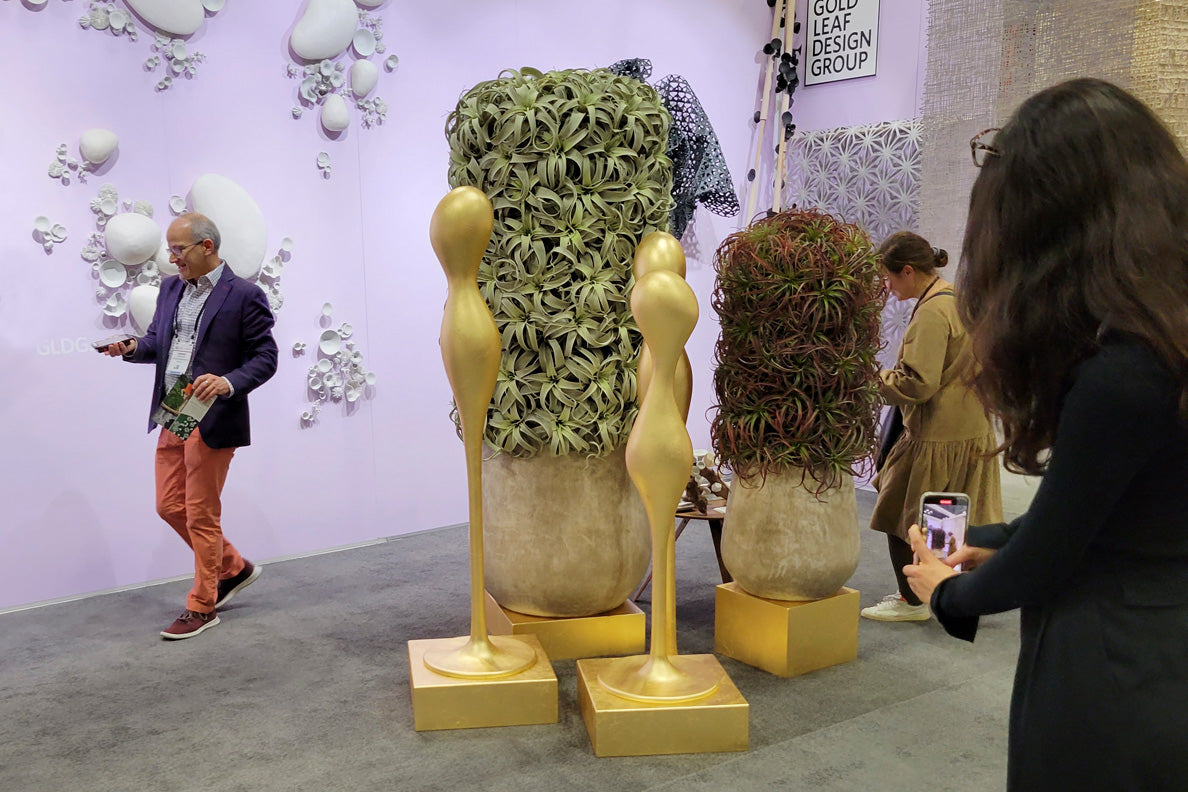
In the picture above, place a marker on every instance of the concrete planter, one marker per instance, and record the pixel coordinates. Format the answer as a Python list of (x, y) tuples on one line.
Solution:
[(780, 542), (564, 536)]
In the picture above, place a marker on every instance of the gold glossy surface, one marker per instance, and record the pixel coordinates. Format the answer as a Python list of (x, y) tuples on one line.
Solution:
[(782, 637), (660, 250), (659, 455), (620, 631), (670, 680), (623, 727), (490, 658), (460, 230), (443, 702)]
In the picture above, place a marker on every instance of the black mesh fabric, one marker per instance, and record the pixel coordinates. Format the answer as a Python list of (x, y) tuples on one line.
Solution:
[(699, 172)]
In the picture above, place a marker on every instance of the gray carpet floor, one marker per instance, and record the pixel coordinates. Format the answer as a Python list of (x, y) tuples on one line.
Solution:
[(304, 686)]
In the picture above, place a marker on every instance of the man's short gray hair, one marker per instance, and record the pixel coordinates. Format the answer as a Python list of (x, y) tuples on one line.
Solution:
[(202, 228)]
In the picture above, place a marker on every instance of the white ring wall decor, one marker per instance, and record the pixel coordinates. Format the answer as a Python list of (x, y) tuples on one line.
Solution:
[(338, 374)]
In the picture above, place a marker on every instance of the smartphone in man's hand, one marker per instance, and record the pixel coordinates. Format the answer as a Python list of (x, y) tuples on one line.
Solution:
[(102, 346)]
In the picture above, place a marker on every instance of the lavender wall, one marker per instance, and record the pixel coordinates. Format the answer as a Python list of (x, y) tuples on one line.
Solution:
[(891, 95), (77, 465)]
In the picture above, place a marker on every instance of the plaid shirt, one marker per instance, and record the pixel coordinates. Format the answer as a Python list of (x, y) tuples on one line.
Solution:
[(189, 312)]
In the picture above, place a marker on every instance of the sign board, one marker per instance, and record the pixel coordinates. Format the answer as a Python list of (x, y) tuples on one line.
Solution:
[(842, 40)]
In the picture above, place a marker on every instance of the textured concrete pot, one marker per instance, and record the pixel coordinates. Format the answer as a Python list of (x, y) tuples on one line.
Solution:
[(780, 542), (563, 536)]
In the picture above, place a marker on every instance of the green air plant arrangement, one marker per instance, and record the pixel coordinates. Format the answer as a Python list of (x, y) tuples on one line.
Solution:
[(574, 164), (799, 299)]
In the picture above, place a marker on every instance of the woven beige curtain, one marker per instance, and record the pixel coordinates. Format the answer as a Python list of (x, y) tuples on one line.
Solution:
[(987, 56)]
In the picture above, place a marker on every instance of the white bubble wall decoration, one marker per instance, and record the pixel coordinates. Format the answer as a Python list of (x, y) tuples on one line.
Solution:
[(338, 375), (127, 252), (65, 168), (169, 20), (324, 31), (326, 37), (97, 145), (239, 220), (175, 17)]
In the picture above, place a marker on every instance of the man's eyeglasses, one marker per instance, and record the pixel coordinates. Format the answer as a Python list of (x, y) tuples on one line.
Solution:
[(181, 251), (980, 150)]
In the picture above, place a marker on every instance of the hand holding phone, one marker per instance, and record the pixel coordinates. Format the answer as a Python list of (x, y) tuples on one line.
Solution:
[(943, 519), (116, 345)]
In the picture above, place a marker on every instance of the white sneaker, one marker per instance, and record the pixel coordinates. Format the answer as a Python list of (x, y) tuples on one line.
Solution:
[(895, 608)]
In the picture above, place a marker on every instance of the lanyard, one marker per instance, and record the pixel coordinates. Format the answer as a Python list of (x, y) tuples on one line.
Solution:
[(197, 319), (915, 307)]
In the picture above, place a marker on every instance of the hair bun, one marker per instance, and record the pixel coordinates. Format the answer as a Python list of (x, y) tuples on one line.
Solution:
[(940, 257)]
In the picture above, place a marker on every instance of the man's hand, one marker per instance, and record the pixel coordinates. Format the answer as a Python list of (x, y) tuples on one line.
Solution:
[(120, 348), (207, 386)]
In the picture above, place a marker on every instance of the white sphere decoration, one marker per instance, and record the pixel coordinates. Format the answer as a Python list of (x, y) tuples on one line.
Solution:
[(96, 145), (325, 30), (335, 116), (178, 17), (131, 238), (238, 218), (142, 304), (364, 76), (161, 259)]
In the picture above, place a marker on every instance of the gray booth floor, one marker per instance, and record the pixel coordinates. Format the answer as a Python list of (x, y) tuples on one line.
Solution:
[(304, 686)]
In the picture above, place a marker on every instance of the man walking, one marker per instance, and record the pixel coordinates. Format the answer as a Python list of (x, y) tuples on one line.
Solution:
[(216, 328)]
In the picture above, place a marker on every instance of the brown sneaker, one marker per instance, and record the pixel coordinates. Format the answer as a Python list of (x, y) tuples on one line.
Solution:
[(189, 624), (231, 586)]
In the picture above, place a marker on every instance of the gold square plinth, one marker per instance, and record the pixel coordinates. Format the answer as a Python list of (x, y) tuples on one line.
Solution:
[(442, 702), (622, 631), (621, 727), (786, 638)]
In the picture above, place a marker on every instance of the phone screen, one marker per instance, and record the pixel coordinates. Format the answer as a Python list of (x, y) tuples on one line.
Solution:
[(943, 518)]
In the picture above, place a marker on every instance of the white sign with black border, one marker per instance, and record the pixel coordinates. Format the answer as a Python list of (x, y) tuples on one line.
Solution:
[(842, 41)]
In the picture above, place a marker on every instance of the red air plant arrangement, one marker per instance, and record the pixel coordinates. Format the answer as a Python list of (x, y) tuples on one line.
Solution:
[(799, 298)]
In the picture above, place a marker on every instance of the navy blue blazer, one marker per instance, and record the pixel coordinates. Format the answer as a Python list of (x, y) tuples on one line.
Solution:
[(234, 341)]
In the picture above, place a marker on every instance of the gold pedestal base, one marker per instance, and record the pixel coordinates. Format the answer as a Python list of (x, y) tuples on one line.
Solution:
[(621, 727), (786, 638), (622, 631), (444, 702)]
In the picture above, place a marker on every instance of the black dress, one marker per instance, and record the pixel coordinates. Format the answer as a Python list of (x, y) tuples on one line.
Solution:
[(1099, 568)]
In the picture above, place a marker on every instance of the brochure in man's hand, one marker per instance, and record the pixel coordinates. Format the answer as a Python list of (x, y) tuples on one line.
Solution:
[(179, 411)]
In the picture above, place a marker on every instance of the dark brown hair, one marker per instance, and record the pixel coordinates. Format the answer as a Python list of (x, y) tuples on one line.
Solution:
[(903, 249), (1079, 224)]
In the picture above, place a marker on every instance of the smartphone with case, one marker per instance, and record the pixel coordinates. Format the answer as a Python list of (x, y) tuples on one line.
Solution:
[(943, 519), (101, 346)]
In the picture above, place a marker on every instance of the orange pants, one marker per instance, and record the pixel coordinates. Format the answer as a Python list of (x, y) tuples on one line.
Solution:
[(190, 477)]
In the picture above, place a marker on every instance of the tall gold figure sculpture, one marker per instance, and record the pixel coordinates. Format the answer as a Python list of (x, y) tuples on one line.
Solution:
[(661, 250), (659, 455), (470, 348)]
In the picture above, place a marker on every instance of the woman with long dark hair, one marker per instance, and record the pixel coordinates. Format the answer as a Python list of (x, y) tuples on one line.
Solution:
[(947, 443), (1075, 291)]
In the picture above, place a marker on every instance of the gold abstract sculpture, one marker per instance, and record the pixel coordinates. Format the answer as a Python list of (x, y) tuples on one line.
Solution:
[(659, 455), (660, 250), (470, 348)]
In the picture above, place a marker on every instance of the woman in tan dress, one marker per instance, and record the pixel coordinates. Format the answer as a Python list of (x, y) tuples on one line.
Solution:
[(948, 440)]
